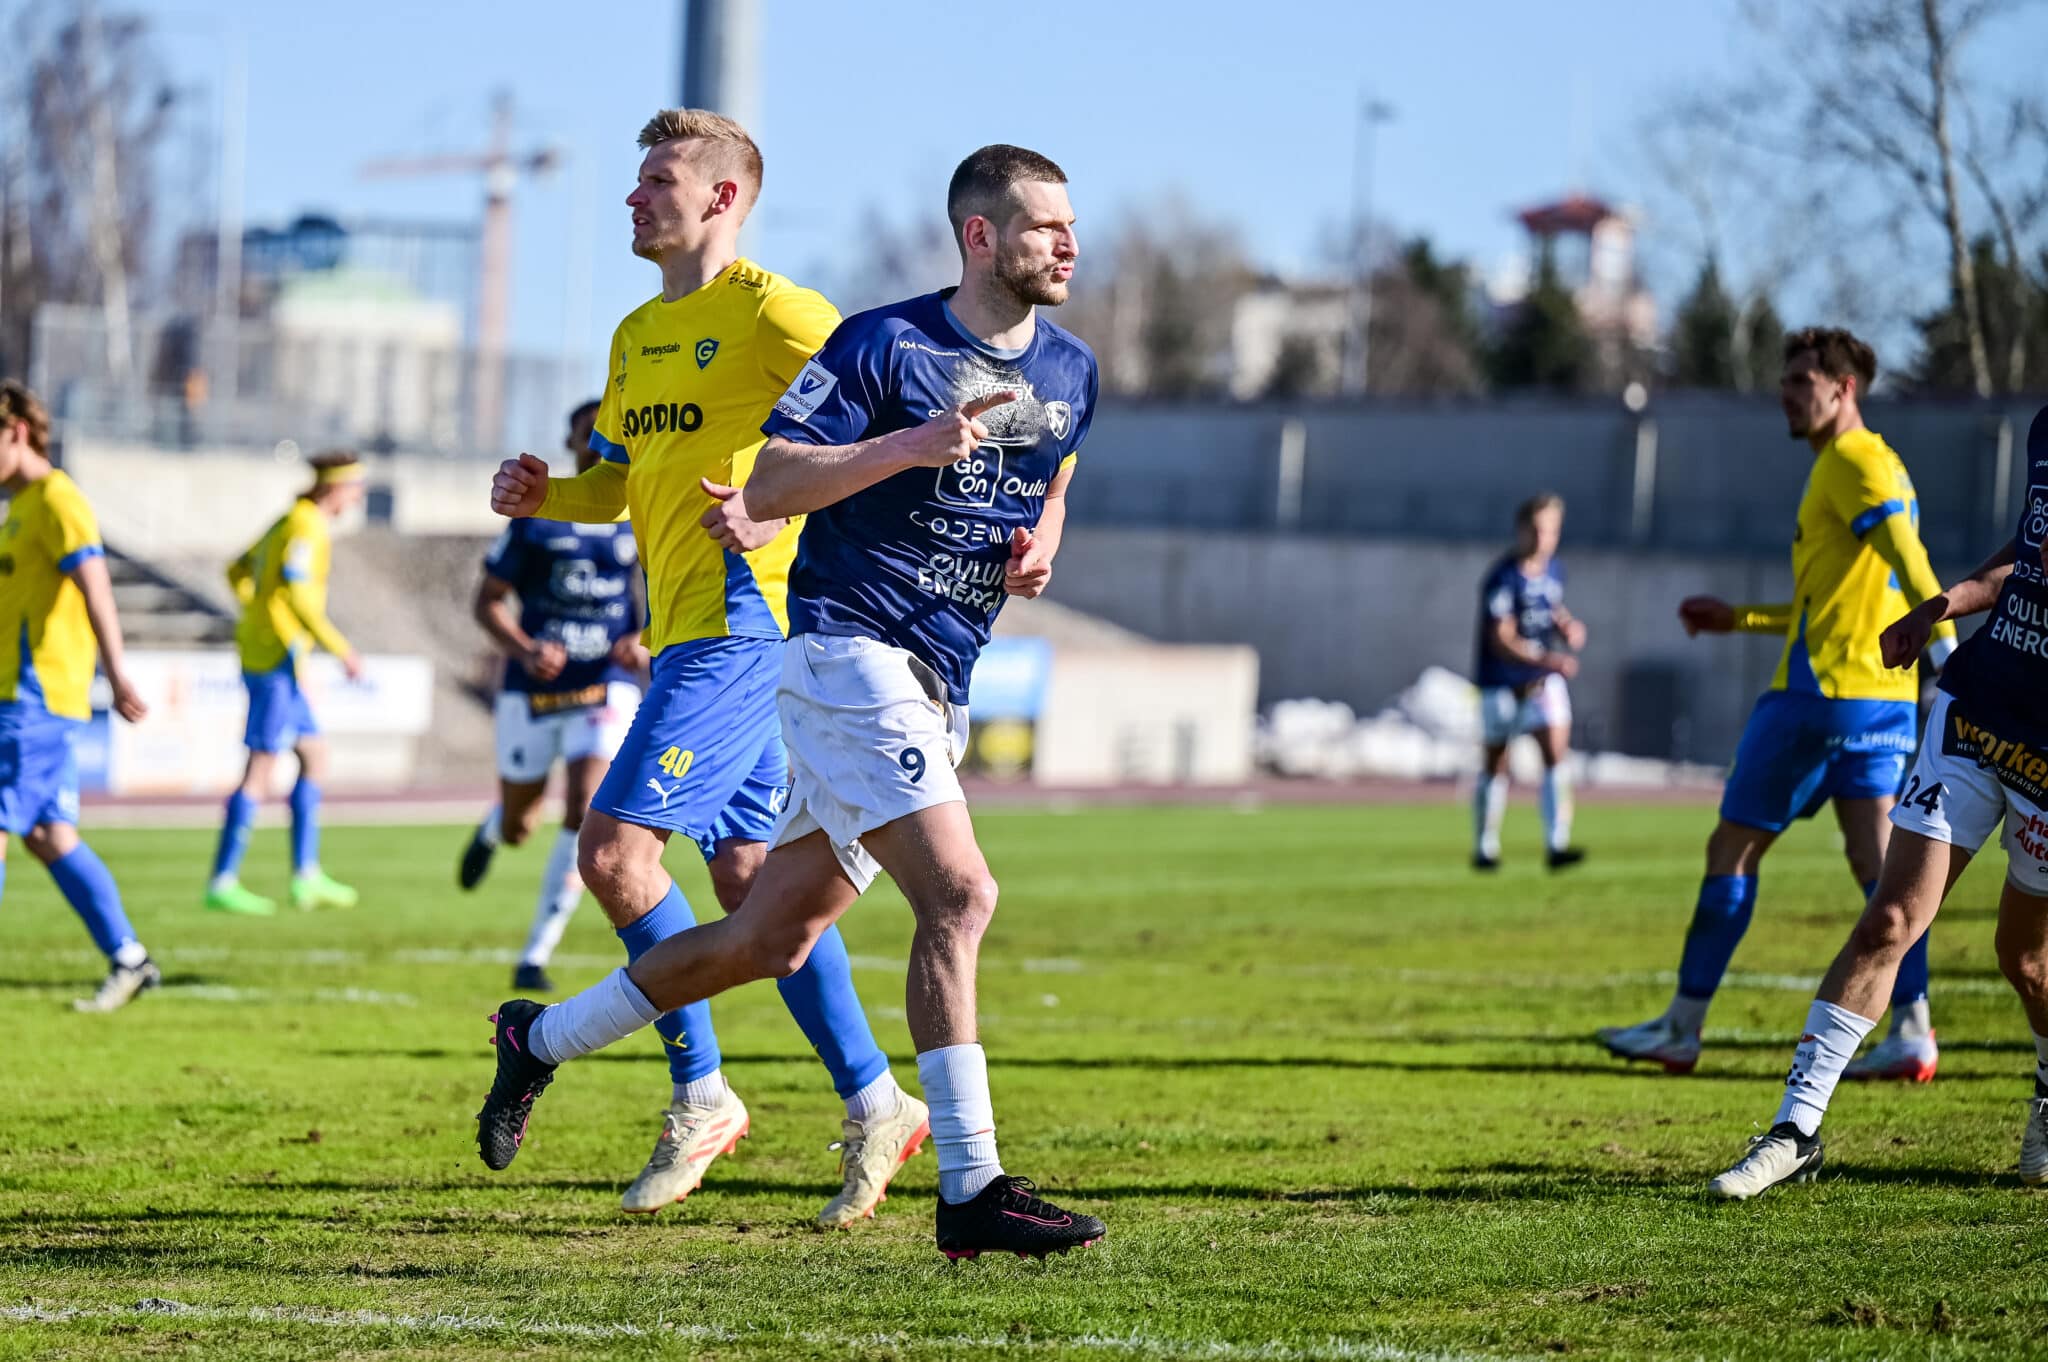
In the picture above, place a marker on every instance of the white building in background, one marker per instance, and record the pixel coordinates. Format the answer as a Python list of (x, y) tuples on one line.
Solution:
[(1301, 323), (371, 355)]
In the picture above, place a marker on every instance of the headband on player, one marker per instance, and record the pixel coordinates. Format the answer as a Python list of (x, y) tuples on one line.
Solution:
[(338, 475)]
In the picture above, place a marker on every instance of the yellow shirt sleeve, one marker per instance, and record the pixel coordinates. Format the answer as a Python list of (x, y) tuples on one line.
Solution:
[(305, 590), (1763, 619), (1863, 487), (793, 325), (75, 530), (594, 497)]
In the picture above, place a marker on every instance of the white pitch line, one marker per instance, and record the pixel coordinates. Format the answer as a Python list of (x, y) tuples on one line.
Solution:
[(1124, 1345)]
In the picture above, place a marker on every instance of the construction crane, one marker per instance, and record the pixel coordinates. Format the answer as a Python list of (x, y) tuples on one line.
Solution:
[(501, 169)]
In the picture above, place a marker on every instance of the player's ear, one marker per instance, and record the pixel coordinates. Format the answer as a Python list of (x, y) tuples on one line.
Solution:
[(724, 195)]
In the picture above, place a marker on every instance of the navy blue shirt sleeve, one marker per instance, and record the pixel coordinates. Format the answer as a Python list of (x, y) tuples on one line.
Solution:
[(836, 394), (507, 558)]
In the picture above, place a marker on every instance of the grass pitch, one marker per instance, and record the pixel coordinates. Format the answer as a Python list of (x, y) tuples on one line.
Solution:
[(1333, 1093)]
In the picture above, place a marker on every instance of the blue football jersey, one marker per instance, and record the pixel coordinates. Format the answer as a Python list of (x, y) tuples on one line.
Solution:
[(1531, 602), (917, 559), (1999, 675), (575, 588)]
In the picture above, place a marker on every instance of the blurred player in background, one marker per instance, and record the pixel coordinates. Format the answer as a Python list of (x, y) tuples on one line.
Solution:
[(931, 443), (56, 603), (694, 372), (1983, 761), (281, 582), (573, 662), (1526, 644), (1837, 723)]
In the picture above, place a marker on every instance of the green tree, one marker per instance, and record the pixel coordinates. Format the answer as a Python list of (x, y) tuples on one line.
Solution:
[(1703, 335), (1544, 344), (1763, 344), (2013, 309)]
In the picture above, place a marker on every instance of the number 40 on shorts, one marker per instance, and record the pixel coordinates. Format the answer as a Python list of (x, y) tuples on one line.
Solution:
[(676, 762)]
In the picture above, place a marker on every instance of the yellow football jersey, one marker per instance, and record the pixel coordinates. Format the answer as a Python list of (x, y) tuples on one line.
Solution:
[(282, 584), (47, 649), (691, 382), (1844, 593)]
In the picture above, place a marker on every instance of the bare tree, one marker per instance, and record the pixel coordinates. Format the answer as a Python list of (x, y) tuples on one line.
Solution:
[(1869, 116)]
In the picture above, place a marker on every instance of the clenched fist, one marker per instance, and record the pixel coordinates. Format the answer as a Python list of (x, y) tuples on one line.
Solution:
[(520, 485)]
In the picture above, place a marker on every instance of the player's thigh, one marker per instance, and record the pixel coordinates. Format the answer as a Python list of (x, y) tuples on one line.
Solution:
[(801, 890), (519, 807), (1918, 873), (1554, 742), (937, 863), (52, 842), (312, 751), (581, 778), (2023, 937), (1866, 826)]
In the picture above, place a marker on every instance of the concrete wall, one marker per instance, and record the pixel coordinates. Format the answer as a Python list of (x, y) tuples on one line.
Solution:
[(1357, 621)]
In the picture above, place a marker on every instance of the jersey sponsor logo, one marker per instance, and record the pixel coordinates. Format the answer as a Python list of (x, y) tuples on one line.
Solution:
[(706, 350), (2020, 625), (664, 791), (661, 417), (540, 703), (2017, 765), (672, 348), (807, 393)]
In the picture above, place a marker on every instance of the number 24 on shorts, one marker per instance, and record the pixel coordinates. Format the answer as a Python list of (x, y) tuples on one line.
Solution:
[(676, 762), (1928, 800)]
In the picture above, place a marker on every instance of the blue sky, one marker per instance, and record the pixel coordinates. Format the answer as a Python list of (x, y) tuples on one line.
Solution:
[(1246, 109)]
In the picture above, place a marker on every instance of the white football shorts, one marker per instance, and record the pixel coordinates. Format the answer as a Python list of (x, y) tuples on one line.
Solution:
[(1948, 797), (871, 739), (535, 730), (1506, 712)]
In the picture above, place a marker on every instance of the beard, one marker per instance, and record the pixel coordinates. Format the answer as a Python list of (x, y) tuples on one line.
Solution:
[(1031, 285)]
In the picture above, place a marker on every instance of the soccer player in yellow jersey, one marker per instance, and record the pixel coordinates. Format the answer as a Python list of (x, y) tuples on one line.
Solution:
[(282, 583), (693, 373), (1837, 723), (56, 604)]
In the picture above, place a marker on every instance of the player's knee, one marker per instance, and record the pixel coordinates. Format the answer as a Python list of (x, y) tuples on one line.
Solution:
[(48, 841), (1885, 929), (967, 907), (778, 952), (2025, 968), (604, 866)]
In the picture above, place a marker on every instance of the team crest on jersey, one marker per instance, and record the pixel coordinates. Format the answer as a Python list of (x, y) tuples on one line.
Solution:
[(1060, 417), (705, 350)]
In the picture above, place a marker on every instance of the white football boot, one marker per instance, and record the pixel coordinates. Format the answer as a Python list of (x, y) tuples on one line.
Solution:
[(121, 987), (1907, 1059), (2034, 1144), (1658, 1041), (691, 1137), (869, 1155), (1780, 1154)]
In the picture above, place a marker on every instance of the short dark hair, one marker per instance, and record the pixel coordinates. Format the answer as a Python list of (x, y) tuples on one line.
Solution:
[(1838, 352), (982, 185), (1526, 513), (583, 409)]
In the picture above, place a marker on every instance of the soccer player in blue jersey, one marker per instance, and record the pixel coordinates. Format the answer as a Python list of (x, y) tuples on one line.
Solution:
[(1983, 761), (695, 372), (1837, 723), (931, 443), (56, 604), (1526, 644), (571, 687)]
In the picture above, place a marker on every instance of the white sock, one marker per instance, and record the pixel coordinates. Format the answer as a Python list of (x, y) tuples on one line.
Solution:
[(307, 871), (561, 889), (2041, 1058), (1557, 808), (609, 1010), (1489, 806), (878, 1098), (707, 1091), (492, 829), (1825, 1049), (130, 953), (1688, 1014), (1912, 1021), (955, 1079), (227, 879)]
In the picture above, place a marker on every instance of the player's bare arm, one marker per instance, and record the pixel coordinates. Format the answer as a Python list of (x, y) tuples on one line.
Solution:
[(493, 609), (1573, 627), (96, 584), (1903, 641), (1505, 641), (795, 479)]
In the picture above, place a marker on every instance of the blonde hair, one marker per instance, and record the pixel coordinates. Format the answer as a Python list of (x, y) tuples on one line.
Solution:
[(728, 152), (17, 403)]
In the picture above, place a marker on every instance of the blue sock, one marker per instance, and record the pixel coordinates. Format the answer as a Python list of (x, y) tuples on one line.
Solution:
[(1718, 922), (234, 835), (305, 826), (821, 998), (88, 886), (686, 1033), (1914, 973)]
